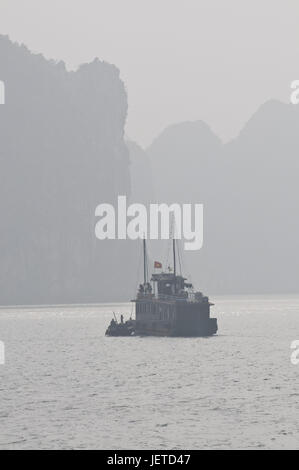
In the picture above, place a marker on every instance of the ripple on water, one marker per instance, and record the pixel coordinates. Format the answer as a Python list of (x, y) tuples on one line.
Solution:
[(65, 385)]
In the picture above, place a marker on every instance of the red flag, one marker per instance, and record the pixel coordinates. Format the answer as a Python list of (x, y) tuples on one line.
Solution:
[(158, 265)]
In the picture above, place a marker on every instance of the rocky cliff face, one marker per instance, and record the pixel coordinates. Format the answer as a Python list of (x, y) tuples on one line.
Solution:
[(249, 188), (141, 174), (187, 166), (62, 153), (259, 242)]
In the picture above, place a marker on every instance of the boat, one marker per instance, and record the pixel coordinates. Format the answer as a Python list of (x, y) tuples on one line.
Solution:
[(121, 328), (167, 305)]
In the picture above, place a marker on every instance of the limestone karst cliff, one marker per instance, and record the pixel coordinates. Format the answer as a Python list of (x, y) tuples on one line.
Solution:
[(249, 188), (62, 152)]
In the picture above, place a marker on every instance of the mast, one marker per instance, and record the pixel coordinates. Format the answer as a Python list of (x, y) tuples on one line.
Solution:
[(144, 262), (174, 264)]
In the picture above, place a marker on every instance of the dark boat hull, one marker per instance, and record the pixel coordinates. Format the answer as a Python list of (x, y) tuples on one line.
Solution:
[(185, 319), (205, 331), (121, 329)]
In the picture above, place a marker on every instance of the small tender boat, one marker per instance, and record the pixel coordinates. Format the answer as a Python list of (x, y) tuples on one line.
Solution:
[(121, 328)]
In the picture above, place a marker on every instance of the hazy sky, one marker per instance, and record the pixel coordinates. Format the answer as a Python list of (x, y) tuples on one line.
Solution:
[(215, 60)]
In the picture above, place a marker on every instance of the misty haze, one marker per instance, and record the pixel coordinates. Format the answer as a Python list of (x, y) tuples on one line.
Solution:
[(122, 343), (71, 155)]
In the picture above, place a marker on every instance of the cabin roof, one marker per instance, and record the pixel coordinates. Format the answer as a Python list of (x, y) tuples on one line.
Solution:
[(166, 277)]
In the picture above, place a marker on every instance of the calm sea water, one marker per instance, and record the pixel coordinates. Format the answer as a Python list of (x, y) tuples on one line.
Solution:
[(65, 385)]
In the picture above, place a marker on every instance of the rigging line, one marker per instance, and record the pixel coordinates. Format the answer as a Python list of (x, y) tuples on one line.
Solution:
[(167, 254), (179, 255), (168, 248), (171, 238), (138, 272), (185, 263), (147, 262)]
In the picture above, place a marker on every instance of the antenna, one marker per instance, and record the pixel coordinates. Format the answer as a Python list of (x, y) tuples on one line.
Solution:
[(144, 262), (174, 264)]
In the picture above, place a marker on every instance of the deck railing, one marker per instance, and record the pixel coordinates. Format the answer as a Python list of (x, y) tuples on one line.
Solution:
[(187, 297)]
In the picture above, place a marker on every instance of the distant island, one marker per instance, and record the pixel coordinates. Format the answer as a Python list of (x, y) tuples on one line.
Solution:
[(62, 152)]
